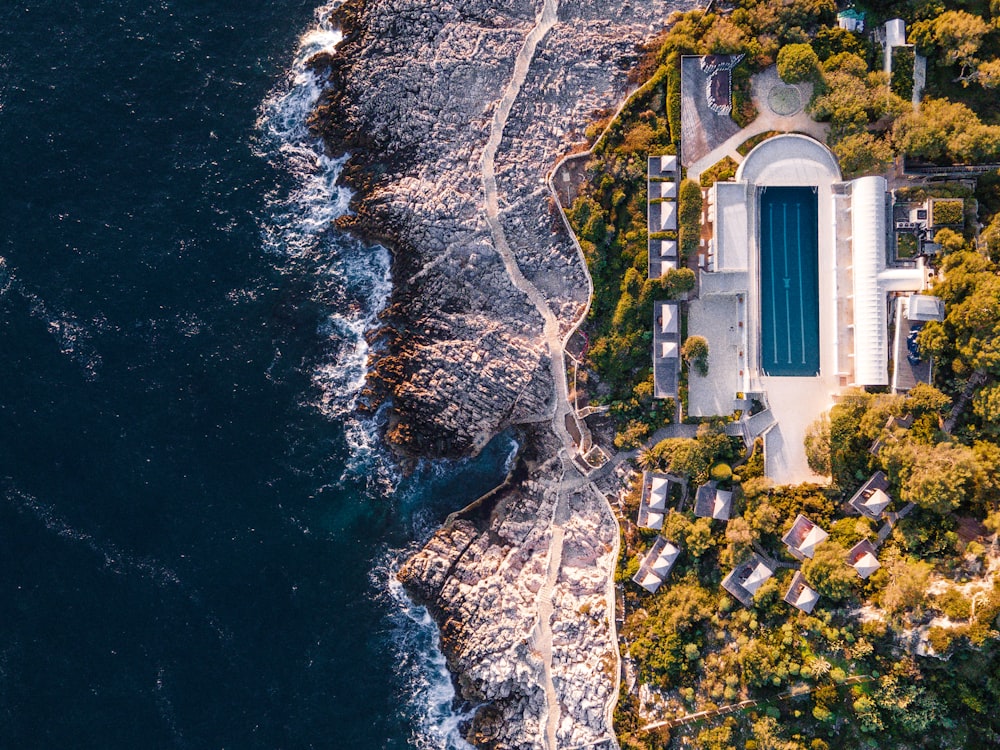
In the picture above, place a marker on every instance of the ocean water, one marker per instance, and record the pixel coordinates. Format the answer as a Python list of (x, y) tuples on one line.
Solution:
[(197, 532)]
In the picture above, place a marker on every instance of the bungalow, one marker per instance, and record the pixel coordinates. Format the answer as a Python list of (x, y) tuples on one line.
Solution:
[(656, 565), (655, 495), (711, 502), (871, 500), (862, 558), (851, 19), (803, 537), (800, 594), (744, 580), (666, 350), (662, 166)]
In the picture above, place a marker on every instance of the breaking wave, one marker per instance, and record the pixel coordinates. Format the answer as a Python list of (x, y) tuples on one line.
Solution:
[(351, 281), (437, 716)]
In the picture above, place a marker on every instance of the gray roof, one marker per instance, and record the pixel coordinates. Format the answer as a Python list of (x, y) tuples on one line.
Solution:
[(923, 307), (666, 349), (744, 580), (800, 594), (872, 498)]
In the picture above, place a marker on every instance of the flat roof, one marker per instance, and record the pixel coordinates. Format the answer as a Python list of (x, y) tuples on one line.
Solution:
[(789, 159), (731, 227)]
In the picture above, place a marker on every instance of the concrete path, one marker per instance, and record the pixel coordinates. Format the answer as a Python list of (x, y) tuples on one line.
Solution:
[(795, 692), (556, 345), (766, 120)]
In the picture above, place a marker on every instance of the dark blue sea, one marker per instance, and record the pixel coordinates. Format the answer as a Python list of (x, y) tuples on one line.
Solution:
[(197, 531)]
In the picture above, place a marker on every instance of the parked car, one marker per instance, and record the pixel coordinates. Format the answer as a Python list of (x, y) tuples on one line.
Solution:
[(912, 348)]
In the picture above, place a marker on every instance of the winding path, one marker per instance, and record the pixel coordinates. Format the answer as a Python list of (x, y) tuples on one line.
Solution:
[(542, 636)]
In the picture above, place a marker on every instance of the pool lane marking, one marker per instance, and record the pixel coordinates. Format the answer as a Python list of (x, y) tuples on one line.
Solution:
[(788, 281), (774, 302), (802, 280)]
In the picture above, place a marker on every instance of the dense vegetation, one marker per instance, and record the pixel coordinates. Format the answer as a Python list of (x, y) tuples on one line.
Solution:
[(856, 679)]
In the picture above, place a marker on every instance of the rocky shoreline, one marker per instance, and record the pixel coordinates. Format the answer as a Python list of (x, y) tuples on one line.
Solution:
[(445, 107)]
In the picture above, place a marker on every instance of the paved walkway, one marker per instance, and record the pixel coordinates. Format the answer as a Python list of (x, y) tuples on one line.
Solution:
[(766, 120), (563, 412), (795, 692)]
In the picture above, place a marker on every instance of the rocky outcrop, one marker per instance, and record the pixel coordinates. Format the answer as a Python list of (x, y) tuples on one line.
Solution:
[(413, 89), (532, 550), (453, 112)]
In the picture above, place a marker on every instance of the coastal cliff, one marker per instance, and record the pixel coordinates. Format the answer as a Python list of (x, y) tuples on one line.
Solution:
[(453, 113)]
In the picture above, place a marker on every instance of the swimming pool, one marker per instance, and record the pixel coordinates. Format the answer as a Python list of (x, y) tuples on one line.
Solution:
[(789, 281)]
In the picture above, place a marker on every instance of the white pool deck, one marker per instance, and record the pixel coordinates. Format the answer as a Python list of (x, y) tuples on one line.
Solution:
[(787, 160)]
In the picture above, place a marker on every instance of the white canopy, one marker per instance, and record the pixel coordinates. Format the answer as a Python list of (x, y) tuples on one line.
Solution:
[(654, 520), (668, 216), (668, 350), (877, 502), (668, 163), (720, 508), (651, 582), (665, 560), (806, 599), (760, 574), (814, 537), (658, 493), (668, 189), (668, 316), (668, 248), (867, 564)]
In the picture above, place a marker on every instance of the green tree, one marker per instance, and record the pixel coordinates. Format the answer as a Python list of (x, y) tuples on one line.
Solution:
[(957, 34), (797, 62), (828, 572), (988, 74), (863, 153), (950, 240), (990, 238), (943, 130), (695, 351), (986, 405), (817, 444), (906, 592), (938, 478)]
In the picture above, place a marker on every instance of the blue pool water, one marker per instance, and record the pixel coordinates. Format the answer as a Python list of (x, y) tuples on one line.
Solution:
[(789, 270), (197, 533)]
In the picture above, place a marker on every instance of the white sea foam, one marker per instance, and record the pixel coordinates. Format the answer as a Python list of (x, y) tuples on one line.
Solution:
[(430, 694), (351, 280)]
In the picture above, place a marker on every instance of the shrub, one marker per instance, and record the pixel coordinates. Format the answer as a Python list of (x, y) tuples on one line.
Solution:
[(902, 71), (947, 211), (722, 170), (674, 96), (721, 472), (695, 351), (689, 217), (954, 605)]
